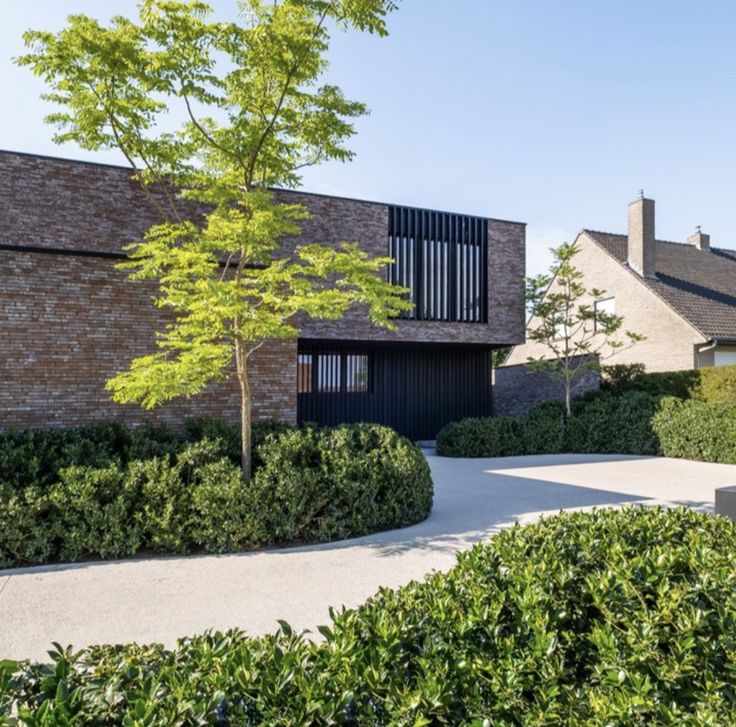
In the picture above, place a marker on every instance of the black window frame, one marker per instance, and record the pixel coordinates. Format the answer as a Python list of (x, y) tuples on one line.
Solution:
[(318, 359)]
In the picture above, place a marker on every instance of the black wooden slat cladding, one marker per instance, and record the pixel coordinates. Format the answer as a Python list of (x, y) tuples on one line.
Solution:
[(414, 389), (442, 259)]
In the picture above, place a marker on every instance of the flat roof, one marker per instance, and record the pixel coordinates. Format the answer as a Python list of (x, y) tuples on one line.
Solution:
[(106, 165)]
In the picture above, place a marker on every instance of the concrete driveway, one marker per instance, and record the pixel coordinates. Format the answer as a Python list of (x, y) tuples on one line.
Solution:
[(165, 598)]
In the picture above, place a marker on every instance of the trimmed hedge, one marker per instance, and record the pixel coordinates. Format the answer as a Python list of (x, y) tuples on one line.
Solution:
[(696, 430), (328, 484), (615, 617), (104, 491), (634, 422), (607, 423), (714, 384)]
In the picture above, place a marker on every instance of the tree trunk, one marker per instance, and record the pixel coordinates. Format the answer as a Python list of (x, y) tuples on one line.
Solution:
[(241, 366), (568, 397)]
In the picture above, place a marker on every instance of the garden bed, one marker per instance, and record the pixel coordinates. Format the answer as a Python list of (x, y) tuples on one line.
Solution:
[(105, 491)]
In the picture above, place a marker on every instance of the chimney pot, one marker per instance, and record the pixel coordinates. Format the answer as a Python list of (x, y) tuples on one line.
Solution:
[(700, 240), (642, 252)]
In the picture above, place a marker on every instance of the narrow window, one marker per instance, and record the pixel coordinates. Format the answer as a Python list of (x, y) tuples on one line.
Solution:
[(356, 366), (607, 306), (560, 331), (328, 372), (304, 373)]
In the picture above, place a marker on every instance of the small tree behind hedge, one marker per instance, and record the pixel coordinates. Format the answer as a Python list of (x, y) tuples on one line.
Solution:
[(577, 335)]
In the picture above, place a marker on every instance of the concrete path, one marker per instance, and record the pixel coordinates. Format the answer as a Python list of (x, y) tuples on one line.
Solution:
[(164, 598)]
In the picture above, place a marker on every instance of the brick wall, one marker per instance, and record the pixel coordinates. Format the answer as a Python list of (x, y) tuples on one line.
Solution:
[(334, 220), (69, 322), (516, 389), (670, 340)]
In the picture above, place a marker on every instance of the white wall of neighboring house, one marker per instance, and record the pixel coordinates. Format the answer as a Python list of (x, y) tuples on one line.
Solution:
[(671, 342)]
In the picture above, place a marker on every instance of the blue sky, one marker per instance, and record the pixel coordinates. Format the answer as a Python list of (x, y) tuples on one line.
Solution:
[(552, 113)]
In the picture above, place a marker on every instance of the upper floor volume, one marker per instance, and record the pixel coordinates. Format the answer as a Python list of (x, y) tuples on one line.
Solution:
[(459, 269), (63, 226)]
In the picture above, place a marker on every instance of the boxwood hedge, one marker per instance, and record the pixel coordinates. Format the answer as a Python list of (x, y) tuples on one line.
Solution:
[(615, 617), (713, 384), (633, 422), (108, 492)]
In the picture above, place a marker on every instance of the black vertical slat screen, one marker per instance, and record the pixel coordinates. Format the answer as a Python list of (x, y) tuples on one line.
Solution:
[(442, 259)]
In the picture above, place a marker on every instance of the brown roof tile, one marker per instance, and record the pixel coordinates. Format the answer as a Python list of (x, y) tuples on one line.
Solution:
[(700, 285)]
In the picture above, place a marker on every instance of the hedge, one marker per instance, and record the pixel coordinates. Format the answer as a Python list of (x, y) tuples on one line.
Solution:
[(635, 422), (615, 617), (714, 384), (696, 430), (107, 492)]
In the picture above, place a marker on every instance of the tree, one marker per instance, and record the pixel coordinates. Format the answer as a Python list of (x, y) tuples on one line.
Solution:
[(576, 334), (254, 115)]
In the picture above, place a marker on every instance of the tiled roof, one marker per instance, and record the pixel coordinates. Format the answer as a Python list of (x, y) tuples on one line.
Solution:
[(700, 285)]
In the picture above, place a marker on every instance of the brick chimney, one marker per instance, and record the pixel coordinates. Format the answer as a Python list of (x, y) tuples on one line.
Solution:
[(642, 253), (701, 241)]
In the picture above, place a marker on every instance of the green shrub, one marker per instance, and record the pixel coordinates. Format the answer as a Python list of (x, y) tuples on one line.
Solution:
[(114, 492), (542, 429), (94, 513), (221, 520), (715, 384), (152, 440), (34, 457), (325, 484), (165, 514), (614, 424), (229, 435), (624, 378), (25, 535), (616, 617), (480, 437), (697, 430)]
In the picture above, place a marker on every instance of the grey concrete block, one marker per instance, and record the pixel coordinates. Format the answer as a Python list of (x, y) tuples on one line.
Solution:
[(726, 501)]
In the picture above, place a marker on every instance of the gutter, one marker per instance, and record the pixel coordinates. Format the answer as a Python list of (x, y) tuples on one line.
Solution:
[(713, 344)]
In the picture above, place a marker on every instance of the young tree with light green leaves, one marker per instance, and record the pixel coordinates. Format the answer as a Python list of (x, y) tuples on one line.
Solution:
[(577, 336), (253, 116)]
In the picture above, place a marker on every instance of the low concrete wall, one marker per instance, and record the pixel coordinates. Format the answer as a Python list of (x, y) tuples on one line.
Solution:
[(516, 389)]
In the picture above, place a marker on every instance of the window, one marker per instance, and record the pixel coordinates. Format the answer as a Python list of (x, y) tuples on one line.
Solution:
[(304, 373), (332, 372), (560, 331), (607, 306), (443, 260), (328, 372), (357, 373), (724, 357)]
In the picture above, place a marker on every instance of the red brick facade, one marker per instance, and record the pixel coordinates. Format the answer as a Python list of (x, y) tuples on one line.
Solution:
[(70, 321)]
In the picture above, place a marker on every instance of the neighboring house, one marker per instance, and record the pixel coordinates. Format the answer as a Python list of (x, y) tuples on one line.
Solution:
[(69, 319), (681, 296)]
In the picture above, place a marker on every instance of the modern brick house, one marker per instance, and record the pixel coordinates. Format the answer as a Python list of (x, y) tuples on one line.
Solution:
[(69, 319), (681, 296)]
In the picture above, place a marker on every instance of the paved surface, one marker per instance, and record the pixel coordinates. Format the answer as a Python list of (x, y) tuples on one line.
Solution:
[(162, 599)]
